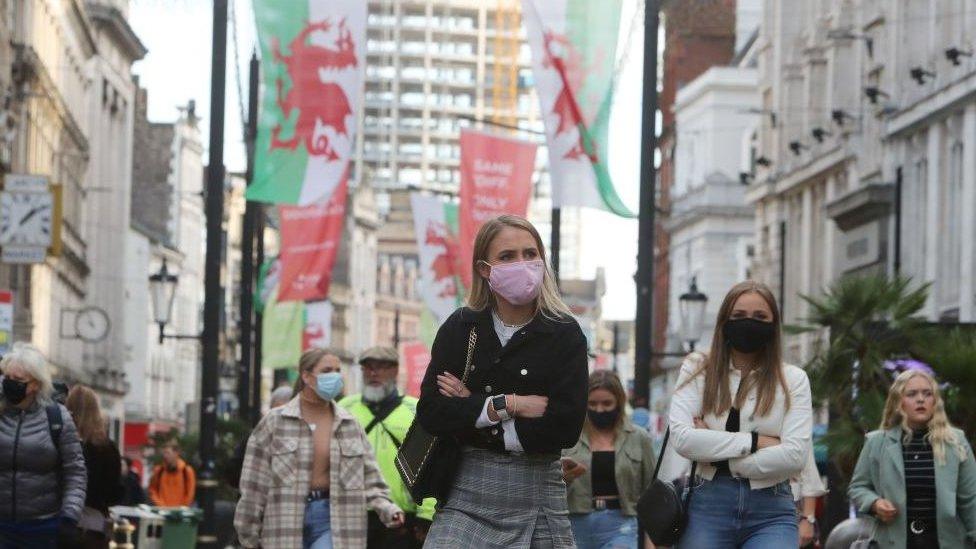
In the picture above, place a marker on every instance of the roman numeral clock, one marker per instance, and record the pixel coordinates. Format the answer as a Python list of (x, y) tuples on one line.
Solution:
[(27, 219)]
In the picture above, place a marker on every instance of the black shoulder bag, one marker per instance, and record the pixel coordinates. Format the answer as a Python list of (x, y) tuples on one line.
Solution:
[(428, 464), (663, 508)]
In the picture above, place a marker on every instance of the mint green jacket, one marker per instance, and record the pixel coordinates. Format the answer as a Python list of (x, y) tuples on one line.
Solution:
[(633, 468), (396, 425), (880, 473)]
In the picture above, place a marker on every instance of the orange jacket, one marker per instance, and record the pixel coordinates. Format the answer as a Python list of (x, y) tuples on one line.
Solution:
[(173, 488)]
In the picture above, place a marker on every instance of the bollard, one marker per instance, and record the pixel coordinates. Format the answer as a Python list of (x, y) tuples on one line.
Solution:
[(122, 527)]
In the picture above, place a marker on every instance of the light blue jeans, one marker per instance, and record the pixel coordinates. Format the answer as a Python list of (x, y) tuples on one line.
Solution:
[(606, 529), (726, 514), (318, 525)]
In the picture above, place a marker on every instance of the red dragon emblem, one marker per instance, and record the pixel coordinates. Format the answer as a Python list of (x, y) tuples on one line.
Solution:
[(445, 266), (319, 104), (569, 67)]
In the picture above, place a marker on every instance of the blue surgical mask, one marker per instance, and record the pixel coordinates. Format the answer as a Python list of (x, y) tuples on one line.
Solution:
[(328, 385)]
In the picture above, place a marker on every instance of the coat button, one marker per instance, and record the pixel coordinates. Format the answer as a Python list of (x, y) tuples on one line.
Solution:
[(494, 431), (488, 388), (524, 372), (473, 367), (498, 360)]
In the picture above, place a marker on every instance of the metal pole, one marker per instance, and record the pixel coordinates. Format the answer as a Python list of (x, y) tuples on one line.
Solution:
[(554, 241), (643, 319), (898, 186), (258, 324), (214, 207), (396, 327), (616, 344), (247, 257)]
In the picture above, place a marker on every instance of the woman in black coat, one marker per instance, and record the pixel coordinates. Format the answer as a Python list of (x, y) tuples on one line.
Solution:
[(103, 463), (523, 403)]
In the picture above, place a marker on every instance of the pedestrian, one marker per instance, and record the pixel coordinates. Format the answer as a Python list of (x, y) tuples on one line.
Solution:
[(807, 488), (745, 418), (173, 482), (309, 472), (916, 474), (523, 403), (232, 472), (42, 468), (132, 492), (103, 463), (386, 415), (608, 469)]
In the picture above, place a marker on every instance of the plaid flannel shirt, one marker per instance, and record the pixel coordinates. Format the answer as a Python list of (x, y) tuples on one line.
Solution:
[(277, 473)]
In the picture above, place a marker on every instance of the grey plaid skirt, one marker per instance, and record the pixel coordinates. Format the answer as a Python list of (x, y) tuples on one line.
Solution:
[(504, 502)]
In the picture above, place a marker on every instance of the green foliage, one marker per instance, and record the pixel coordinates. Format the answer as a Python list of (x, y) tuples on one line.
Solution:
[(952, 354), (229, 433), (868, 320)]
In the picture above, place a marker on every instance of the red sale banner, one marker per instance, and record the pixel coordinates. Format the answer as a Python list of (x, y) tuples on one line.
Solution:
[(309, 243), (496, 178), (414, 357)]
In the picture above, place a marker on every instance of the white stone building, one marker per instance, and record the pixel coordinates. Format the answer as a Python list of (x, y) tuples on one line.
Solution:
[(871, 156)]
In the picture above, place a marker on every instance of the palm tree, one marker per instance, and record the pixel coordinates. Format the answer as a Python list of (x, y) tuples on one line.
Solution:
[(952, 355), (866, 320)]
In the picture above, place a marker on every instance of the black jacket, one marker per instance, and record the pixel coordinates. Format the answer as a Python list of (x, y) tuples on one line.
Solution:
[(546, 358), (104, 475)]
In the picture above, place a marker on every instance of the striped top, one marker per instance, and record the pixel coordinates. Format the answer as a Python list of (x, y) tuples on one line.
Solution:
[(919, 478)]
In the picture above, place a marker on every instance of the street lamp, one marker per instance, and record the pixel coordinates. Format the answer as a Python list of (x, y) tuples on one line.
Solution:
[(691, 304), (162, 290)]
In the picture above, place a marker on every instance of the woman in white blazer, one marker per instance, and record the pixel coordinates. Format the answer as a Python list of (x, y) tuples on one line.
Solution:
[(753, 428)]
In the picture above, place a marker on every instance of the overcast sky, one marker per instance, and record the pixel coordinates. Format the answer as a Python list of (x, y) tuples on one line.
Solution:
[(177, 69)]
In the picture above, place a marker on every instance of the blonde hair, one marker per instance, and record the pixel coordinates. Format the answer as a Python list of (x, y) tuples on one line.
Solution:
[(87, 414), (310, 358), (940, 430), (609, 381), (766, 374), (30, 358), (549, 302)]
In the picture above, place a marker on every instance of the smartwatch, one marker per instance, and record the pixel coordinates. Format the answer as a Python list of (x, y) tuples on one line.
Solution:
[(500, 405)]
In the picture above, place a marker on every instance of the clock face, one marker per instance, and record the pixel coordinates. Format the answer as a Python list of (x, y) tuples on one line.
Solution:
[(92, 324), (25, 219)]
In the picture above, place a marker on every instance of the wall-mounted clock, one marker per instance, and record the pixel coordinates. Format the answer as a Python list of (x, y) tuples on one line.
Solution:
[(26, 218), (92, 324)]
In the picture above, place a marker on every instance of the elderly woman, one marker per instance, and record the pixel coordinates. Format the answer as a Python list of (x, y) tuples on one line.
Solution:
[(42, 468)]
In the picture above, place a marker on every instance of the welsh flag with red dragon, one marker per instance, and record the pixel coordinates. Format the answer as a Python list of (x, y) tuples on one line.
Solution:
[(574, 44), (313, 56)]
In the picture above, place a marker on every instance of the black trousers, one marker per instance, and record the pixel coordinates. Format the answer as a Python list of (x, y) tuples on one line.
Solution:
[(409, 536)]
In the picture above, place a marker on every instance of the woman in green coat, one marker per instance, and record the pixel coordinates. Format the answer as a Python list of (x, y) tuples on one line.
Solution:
[(916, 474)]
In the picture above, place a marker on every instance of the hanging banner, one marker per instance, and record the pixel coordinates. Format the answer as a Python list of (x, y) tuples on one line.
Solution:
[(282, 327), (574, 45), (6, 320), (318, 325), (269, 275), (435, 227), (309, 245), (496, 178), (313, 59), (414, 359)]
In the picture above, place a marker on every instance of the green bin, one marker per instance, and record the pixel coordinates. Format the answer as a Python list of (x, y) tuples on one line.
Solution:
[(180, 529)]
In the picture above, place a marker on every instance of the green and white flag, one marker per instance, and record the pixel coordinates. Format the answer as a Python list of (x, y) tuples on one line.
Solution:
[(313, 56), (574, 44)]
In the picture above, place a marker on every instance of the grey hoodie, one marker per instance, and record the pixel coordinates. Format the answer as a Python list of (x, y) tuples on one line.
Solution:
[(33, 483)]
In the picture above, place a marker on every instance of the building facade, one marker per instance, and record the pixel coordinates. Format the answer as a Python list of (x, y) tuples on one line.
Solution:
[(870, 165)]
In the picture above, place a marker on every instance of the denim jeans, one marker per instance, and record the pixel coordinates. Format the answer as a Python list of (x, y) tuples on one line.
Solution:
[(725, 513), (605, 529), (318, 525), (35, 534)]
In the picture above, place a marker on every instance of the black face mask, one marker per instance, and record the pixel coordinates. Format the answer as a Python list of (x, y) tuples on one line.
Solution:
[(14, 391), (603, 420), (748, 335)]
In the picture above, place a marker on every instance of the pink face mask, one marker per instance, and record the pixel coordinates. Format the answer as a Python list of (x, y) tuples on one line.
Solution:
[(517, 283)]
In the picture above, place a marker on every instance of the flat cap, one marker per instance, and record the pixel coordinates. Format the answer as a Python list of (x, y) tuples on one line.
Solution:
[(381, 354)]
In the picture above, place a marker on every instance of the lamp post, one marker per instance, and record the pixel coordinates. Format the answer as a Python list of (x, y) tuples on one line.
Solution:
[(692, 304), (162, 290)]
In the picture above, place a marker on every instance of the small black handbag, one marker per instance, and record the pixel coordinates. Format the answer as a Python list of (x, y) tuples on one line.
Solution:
[(662, 509), (427, 463)]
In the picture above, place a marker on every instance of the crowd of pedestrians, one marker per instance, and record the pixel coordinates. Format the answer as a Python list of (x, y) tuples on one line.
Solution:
[(544, 454)]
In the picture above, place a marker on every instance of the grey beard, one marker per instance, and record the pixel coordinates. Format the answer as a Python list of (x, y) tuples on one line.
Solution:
[(378, 394)]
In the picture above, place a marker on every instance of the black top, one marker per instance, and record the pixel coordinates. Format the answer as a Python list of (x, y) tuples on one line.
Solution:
[(546, 358), (731, 426), (602, 476), (104, 475), (919, 479)]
